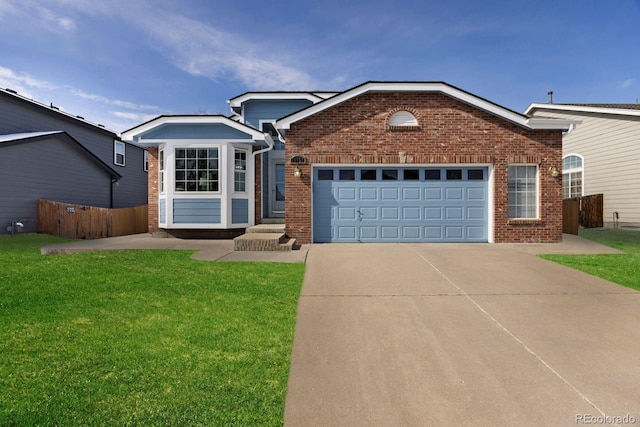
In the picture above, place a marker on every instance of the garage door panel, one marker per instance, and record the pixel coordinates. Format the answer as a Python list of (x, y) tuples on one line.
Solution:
[(478, 194), (477, 213), (411, 213), (390, 213), (454, 232), (346, 232), (392, 193), (394, 210), (369, 232), (475, 232), (433, 194), (368, 214), (346, 213), (390, 232), (411, 233), (346, 193), (369, 193), (453, 213), (411, 193), (433, 213), (433, 233), (455, 193)]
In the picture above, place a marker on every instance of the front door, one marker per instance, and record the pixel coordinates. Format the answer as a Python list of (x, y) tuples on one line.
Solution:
[(277, 187)]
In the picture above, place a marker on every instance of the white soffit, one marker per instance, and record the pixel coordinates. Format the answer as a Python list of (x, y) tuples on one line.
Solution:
[(583, 109)]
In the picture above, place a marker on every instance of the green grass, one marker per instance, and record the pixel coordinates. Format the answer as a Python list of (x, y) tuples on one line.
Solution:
[(142, 338), (623, 269)]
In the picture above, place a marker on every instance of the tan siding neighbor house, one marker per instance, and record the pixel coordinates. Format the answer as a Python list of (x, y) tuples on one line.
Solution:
[(601, 155)]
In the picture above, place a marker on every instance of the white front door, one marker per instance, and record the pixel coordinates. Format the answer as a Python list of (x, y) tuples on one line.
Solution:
[(277, 187)]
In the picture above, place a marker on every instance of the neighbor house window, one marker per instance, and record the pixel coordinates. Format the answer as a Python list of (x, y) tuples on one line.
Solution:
[(523, 191), (240, 171), (145, 164), (161, 171), (197, 170), (572, 176), (118, 153)]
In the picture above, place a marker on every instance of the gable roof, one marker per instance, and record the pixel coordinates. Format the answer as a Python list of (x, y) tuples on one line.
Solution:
[(314, 96), (30, 137), (54, 111), (435, 87), (617, 109), (134, 133)]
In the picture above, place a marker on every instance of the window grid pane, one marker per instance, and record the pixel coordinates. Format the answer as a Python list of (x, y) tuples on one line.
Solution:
[(196, 169), (522, 192), (239, 175)]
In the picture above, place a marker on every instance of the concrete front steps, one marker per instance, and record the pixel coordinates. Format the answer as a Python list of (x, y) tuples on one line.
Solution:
[(264, 237)]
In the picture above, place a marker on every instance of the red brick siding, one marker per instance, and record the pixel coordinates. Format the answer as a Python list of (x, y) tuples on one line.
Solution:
[(449, 132), (152, 196)]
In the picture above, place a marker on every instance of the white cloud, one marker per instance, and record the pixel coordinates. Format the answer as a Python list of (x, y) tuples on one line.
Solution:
[(133, 117), (626, 83), (22, 83), (202, 50), (116, 102)]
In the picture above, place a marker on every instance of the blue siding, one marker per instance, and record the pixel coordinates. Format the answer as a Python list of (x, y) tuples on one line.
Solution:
[(264, 109), (162, 210), (239, 211), (195, 131), (196, 211)]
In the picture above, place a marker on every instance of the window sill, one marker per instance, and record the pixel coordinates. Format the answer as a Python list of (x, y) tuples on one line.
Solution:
[(515, 221)]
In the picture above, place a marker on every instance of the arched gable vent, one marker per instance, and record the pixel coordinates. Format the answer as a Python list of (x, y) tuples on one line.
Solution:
[(403, 119)]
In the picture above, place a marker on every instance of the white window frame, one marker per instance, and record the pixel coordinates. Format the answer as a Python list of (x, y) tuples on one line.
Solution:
[(119, 149), (536, 192), (236, 170), (568, 173), (162, 168), (145, 161)]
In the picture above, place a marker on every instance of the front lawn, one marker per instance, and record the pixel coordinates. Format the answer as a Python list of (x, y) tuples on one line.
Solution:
[(142, 338), (623, 269)]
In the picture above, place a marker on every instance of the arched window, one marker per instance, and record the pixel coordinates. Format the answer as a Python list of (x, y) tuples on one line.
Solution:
[(403, 119), (572, 176)]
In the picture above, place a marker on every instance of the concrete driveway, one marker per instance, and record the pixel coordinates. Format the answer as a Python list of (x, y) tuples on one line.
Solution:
[(457, 334)]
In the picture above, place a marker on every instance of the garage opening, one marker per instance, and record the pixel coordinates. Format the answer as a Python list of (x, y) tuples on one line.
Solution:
[(400, 204)]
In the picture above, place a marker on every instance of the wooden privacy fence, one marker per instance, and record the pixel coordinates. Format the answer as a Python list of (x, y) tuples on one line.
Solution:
[(89, 222), (570, 216), (587, 211)]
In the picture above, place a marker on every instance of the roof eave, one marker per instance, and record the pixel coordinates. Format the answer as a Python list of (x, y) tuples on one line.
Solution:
[(437, 87)]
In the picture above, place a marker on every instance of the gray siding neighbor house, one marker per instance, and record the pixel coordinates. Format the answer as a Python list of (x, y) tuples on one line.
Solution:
[(51, 166), (47, 153)]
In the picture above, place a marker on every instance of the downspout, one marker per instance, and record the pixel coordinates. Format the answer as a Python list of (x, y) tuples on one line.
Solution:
[(269, 142), (114, 180)]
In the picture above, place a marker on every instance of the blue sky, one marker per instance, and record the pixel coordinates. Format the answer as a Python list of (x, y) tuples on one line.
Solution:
[(122, 62)]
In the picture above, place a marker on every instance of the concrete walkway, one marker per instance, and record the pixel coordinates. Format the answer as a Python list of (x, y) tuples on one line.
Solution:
[(206, 249), (461, 334)]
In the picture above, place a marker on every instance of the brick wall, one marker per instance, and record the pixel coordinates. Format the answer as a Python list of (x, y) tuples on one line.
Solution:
[(152, 196), (448, 132)]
